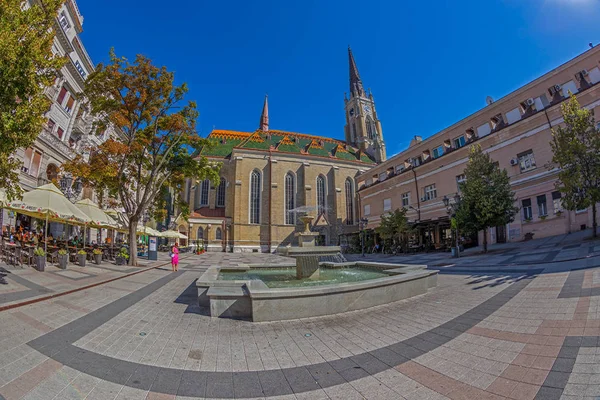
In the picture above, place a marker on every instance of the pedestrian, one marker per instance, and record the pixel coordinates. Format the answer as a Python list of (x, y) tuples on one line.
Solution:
[(175, 257)]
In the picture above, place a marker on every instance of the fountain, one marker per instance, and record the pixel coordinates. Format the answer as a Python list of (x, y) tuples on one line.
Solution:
[(318, 281), (307, 254)]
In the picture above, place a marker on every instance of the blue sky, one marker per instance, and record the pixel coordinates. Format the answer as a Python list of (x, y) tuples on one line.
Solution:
[(429, 63)]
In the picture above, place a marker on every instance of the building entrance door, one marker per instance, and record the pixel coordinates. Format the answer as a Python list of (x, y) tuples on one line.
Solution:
[(501, 234)]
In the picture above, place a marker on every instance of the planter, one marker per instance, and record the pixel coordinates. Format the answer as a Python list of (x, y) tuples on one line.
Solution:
[(98, 258), (62, 261), (40, 263), (120, 260), (81, 259)]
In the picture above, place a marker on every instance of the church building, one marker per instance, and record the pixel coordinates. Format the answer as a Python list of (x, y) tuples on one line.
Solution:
[(269, 175)]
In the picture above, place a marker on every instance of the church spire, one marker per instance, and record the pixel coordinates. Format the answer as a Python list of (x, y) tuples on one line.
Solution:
[(264, 118), (356, 86)]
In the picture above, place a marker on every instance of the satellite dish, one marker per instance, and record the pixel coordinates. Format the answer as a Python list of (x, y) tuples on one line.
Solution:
[(489, 100)]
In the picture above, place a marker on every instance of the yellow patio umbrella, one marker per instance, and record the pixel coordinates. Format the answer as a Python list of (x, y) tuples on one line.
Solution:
[(47, 202)]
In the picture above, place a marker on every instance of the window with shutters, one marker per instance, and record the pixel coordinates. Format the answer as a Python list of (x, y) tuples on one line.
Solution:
[(557, 202), (527, 212), (387, 204), (255, 184), (61, 95), (69, 105), (290, 199), (542, 207)]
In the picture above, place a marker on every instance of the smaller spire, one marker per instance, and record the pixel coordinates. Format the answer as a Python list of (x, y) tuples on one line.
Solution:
[(264, 118)]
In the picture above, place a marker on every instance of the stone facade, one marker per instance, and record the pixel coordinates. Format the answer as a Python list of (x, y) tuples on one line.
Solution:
[(267, 173), (516, 131)]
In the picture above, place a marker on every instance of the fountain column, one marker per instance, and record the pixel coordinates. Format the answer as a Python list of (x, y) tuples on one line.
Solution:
[(307, 265)]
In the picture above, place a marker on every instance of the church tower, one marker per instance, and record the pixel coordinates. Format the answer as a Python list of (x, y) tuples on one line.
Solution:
[(363, 128)]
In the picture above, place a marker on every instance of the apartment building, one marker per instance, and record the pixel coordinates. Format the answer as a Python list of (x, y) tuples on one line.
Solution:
[(68, 130), (516, 132)]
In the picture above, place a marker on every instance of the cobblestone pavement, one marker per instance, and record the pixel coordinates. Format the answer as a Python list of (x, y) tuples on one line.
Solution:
[(475, 336)]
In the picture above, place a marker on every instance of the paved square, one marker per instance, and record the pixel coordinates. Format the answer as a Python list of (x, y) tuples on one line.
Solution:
[(495, 335)]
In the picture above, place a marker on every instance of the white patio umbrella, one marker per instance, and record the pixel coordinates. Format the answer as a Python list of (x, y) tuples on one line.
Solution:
[(146, 230), (171, 234), (47, 202), (100, 219)]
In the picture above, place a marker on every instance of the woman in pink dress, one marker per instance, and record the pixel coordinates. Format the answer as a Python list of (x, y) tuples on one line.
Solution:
[(175, 257)]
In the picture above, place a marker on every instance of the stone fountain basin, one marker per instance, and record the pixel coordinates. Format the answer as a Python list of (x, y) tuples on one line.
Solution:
[(252, 299)]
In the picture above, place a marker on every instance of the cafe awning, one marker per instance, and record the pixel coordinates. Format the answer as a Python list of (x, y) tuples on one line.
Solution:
[(173, 235)]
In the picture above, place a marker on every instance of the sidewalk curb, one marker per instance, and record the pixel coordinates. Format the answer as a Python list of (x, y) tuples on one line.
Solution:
[(59, 294)]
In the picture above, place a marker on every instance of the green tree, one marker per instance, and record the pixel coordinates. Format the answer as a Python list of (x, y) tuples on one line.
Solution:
[(394, 225), (27, 67), (158, 141), (576, 148), (486, 196)]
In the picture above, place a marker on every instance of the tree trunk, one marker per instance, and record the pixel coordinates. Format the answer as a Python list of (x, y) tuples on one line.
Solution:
[(485, 240), (133, 242), (594, 221)]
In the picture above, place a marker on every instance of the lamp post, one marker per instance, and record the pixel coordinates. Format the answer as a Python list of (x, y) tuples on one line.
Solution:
[(363, 224), (70, 189), (190, 225), (451, 209), (207, 238)]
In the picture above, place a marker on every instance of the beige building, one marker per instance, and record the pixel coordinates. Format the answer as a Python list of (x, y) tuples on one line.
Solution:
[(68, 130), (516, 132), (268, 176)]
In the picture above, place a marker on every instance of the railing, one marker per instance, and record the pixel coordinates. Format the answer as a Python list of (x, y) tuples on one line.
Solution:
[(58, 144)]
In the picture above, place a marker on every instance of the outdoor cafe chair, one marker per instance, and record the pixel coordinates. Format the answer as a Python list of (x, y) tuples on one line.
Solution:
[(28, 256)]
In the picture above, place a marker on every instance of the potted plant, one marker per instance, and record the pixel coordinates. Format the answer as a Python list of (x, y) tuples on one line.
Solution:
[(97, 256), (122, 257), (527, 220), (40, 258), (542, 217), (81, 256), (559, 213), (63, 258)]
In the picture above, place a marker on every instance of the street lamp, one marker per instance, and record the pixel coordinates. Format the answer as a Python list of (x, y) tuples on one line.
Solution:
[(70, 189), (190, 225), (207, 239), (363, 224), (451, 209)]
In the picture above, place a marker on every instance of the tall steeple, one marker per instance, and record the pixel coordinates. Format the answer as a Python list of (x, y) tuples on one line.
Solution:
[(264, 118), (363, 128), (356, 86)]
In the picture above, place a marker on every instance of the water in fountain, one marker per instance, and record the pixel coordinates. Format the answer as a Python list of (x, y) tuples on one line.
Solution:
[(334, 258)]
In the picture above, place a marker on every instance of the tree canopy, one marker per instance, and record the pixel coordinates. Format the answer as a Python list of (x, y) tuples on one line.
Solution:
[(157, 143), (27, 67), (486, 196), (576, 152), (393, 225)]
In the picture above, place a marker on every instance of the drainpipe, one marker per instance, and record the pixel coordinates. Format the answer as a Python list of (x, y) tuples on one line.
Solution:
[(270, 198), (418, 198)]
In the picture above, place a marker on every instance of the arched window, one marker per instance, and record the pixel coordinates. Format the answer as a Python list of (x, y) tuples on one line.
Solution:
[(221, 193), (254, 205), (218, 234), (349, 202), (204, 192), (290, 199), (320, 194), (200, 235)]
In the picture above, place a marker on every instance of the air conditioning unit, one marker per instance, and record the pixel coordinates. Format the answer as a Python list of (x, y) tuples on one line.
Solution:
[(529, 102), (554, 89), (423, 198), (581, 74), (514, 161)]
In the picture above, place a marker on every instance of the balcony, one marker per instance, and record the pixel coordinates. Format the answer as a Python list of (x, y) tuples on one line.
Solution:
[(81, 126), (51, 92), (56, 143)]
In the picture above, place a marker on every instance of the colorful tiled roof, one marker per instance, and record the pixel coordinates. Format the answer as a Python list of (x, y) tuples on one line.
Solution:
[(282, 141)]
